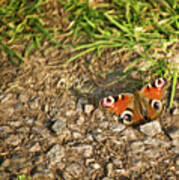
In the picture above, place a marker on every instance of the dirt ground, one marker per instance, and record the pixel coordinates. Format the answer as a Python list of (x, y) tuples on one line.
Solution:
[(51, 126)]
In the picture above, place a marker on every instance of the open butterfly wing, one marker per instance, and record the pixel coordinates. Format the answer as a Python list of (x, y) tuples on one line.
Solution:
[(153, 95)]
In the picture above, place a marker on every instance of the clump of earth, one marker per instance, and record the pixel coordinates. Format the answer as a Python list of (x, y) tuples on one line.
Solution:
[(52, 128)]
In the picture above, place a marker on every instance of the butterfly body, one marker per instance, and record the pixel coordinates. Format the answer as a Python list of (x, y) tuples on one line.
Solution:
[(141, 105)]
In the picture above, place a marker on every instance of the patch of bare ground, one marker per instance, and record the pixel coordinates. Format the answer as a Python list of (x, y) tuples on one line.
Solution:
[(52, 128)]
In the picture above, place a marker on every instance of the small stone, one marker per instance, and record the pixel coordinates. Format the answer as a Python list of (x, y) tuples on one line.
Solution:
[(58, 126), (152, 153), (137, 147), (34, 104), (157, 177), (81, 120), (9, 111), (177, 161), (89, 138), (17, 105), (4, 129), (75, 169), (107, 178), (35, 148), (80, 104), (177, 172), (95, 165), (70, 113), (77, 135), (6, 163), (175, 112), (176, 145), (151, 128), (172, 178), (99, 135), (156, 142), (89, 161), (6, 97), (14, 139), (15, 123), (29, 120), (86, 150), (88, 108), (174, 133), (104, 124), (118, 128), (129, 134), (118, 163), (55, 154), (99, 114), (45, 108), (109, 169), (23, 98)]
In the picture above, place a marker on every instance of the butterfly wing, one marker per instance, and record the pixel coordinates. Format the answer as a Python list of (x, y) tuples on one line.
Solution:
[(153, 95), (122, 105), (135, 108)]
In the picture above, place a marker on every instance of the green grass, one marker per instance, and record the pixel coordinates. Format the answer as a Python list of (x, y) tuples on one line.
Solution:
[(23, 177), (23, 22), (129, 27), (124, 25)]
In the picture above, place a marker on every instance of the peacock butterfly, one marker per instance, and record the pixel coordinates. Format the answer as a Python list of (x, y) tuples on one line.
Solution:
[(141, 105)]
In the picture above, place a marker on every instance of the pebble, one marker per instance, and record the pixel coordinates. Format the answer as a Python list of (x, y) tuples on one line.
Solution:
[(76, 135), (55, 154), (17, 105), (4, 129), (14, 139), (137, 147), (107, 178), (86, 150), (129, 134), (58, 126), (89, 161), (175, 112), (23, 98), (81, 120), (109, 169), (35, 148), (156, 142), (118, 128), (75, 169), (80, 104), (118, 163), (95, 166), (29, 120), (70, 113), (151, 128), (177, 161), (6, 97), (152, 153), (88, 109), (89, 138), (176, 145), (104, 124), (174, 133), (34, 104), (99, 114), (9, 111)]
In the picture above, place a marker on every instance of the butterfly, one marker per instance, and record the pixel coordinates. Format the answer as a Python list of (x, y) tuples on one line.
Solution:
[(141, 105)]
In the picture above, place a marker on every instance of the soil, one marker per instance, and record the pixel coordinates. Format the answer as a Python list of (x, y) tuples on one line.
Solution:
[(51, 126)]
